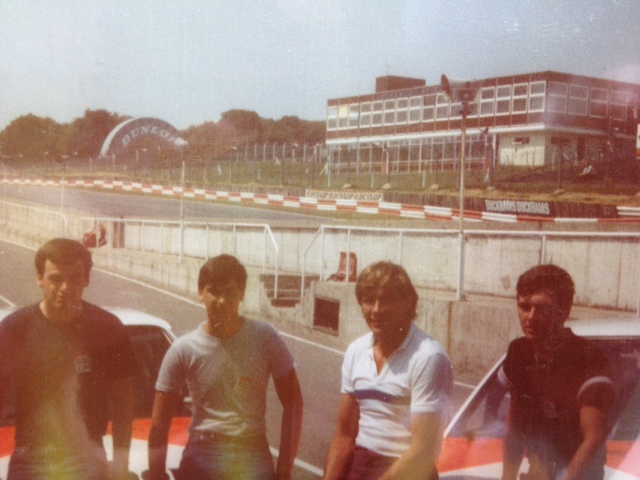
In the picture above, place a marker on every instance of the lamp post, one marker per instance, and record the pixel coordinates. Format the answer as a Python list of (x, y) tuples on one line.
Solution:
[(182, 185), (4, 192), (385, 161), (463, 93)]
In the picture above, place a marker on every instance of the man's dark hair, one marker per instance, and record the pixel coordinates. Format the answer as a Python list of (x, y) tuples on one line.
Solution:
[(63, 251), (222, 270), (388, 276), (551, 279)]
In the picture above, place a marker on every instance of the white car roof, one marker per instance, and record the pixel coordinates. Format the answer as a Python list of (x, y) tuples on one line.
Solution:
[(128, 316), (628, 326)]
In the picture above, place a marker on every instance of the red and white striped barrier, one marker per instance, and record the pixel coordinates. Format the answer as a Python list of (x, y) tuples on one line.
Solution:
[(423, 212)]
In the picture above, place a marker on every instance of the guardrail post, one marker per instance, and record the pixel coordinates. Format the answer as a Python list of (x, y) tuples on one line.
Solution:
[(460, 288)]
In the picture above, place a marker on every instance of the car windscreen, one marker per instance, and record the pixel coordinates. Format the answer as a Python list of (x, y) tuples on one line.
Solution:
[(150, 344)]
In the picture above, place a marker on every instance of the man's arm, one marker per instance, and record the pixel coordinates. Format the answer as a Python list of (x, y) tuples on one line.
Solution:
[(164, 407), (122, 423), (594, 425), (288, 390), (344, 441), (420, 460)]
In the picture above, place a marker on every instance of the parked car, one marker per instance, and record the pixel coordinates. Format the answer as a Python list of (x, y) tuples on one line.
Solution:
[(472, 447), (151, 338)]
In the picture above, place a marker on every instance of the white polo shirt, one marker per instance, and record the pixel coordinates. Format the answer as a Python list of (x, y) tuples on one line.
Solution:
[(417, 378)]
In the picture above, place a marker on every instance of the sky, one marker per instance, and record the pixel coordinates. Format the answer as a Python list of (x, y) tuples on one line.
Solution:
[(188, 61)]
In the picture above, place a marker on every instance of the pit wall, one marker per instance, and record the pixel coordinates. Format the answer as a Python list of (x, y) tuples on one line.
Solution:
[(604, 266)]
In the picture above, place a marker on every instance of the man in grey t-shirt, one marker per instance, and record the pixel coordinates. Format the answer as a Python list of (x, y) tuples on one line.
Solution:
[(226, 363)]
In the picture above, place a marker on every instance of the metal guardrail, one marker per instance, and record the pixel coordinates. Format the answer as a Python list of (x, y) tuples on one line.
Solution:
[(19, 213), (461, 254), (171, 238)]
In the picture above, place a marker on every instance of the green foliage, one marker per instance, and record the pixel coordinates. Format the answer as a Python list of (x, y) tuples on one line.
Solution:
[(41, 139), (291, 129), (30, 136), (242, 125), (89, 132)]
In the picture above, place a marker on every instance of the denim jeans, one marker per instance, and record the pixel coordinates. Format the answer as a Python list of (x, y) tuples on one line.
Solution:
[(52, 464), (368, 465), (216, 458)]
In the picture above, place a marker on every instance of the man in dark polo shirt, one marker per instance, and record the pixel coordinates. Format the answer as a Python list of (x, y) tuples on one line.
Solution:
[(67, 360), (560, 384)]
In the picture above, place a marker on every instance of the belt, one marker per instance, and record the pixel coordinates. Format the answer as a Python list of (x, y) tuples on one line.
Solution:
[(214, 437)]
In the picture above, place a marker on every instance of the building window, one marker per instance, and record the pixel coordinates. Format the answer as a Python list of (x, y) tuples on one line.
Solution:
[(578, 100), (402, 113), (354, 113), (332, 118), (598, 103), (557, 97), (536, 96), (455, 110), (503, 99), (415, 105), (376, 118), (389, 112), (429, 109), (487, 101), (618, 102), (442, 107), (343, 116), (520, 93), (365, 114)]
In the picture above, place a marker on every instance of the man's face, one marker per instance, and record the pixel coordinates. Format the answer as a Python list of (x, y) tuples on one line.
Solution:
[(540, 317), (63, 286), (385, 313), (221, 301)]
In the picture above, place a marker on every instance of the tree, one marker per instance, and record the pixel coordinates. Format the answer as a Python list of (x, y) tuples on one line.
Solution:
[(30, 137), (291, 129), (89, 132), (241, 126), (203, 139)]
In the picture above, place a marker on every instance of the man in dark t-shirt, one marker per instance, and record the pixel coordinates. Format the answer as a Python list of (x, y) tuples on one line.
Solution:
[(71, 364), (560, 384)]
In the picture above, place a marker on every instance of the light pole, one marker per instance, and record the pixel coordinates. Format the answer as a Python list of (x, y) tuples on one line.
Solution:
[(182, 182), (463, 93), (4, 192), (560, 142), (386, 162)]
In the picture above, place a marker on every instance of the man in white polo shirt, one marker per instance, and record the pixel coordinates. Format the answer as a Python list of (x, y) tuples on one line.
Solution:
[(396, 387)]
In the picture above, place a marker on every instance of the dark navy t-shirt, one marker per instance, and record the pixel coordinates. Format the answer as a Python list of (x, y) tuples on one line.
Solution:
[(62, 373)]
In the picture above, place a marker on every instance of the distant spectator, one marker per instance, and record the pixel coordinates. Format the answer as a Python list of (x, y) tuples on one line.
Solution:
[(396, 387)]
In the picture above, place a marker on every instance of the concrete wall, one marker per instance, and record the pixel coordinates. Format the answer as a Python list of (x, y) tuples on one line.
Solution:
[(605, 266)]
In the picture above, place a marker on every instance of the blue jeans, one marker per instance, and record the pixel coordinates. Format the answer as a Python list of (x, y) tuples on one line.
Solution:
[(52, 464), (215, 457), (368, 465)]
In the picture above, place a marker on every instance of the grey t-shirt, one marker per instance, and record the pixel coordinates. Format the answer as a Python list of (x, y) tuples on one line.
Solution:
[(227, 378)]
